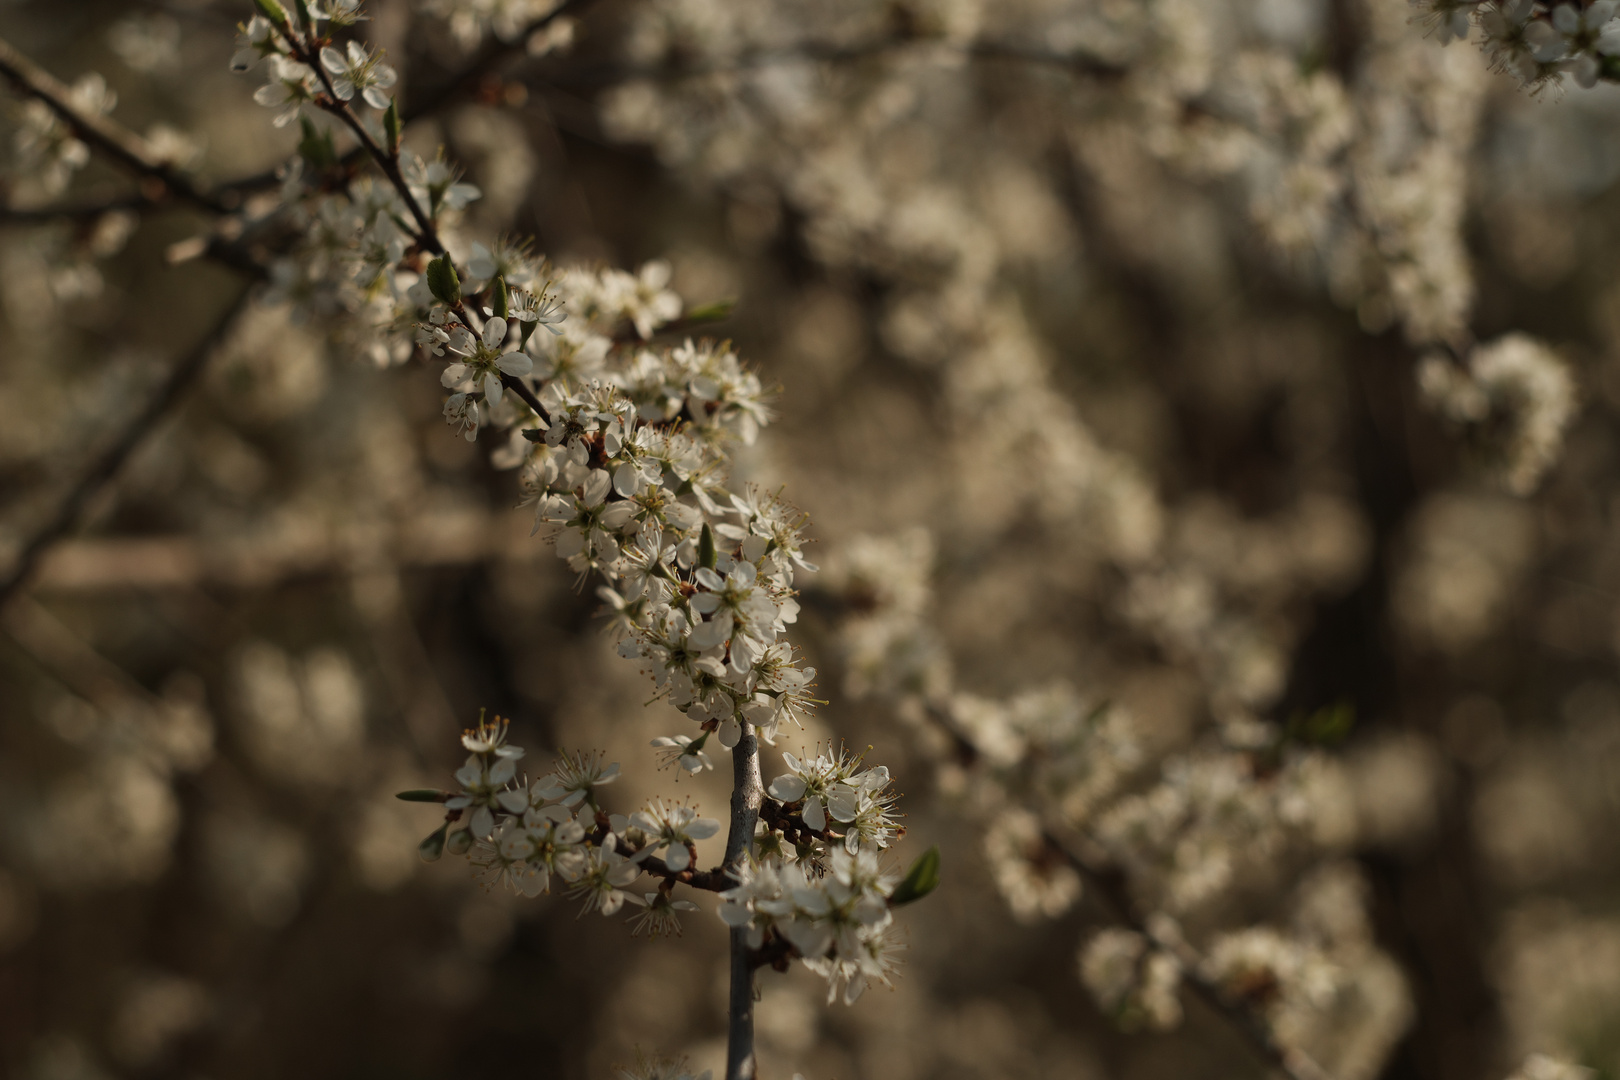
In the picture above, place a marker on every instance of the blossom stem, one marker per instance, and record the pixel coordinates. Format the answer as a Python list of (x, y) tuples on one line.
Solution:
[(388, 163), (427, 235), (747, 793), (451, 91), (106, 135)]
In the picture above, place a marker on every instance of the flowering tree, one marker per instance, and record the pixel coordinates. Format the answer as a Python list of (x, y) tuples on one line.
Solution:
[(1219, 857)]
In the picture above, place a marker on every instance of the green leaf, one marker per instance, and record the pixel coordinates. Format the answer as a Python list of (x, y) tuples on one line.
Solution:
[(461, 842), (920, 880), (442, 280), (718, 311), (316, 146), (534, 434), (1327, 726), (272, 11), (502, 299), (431, 848), (707, 556), (423, 794), (391, 127)]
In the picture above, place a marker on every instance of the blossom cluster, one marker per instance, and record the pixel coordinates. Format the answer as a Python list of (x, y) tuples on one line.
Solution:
[(813, 888), (528, 835), (1065, 788), (624, 473), (836, 917), (1513, 400), (1135, 983), (1533, 41), (622, 448)]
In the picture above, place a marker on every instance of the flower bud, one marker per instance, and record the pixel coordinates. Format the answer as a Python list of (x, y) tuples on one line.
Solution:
[(442, 280), (431, 848)]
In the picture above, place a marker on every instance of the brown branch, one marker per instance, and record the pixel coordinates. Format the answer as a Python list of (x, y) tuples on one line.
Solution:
[(747, 793), (716, 880), (427, 235), (112, 459), (521, 389), (104, 134)]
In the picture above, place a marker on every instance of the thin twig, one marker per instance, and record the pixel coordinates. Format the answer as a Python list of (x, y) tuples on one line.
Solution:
[(307, 53), (492, 51), (521, 389), (102, 133), (112, 459)]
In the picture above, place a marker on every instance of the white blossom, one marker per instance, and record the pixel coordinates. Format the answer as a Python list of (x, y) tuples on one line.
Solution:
[(356, 70)]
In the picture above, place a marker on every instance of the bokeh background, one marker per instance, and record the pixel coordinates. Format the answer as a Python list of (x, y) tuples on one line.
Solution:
[(1133, 441)]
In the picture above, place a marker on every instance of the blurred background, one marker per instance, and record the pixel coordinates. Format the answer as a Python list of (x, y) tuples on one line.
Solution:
[(1099, 351)]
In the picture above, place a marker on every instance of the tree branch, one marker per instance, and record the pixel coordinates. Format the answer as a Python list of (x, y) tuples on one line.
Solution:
[(747, 792), (106, 135), (112, 459)]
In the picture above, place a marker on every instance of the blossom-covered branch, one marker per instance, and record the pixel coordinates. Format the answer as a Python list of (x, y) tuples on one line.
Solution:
[(622, 448), (1537, 43)]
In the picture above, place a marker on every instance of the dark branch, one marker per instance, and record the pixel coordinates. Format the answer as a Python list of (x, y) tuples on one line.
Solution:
[(747, 793), (112, 459)]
